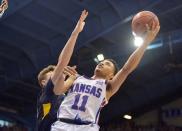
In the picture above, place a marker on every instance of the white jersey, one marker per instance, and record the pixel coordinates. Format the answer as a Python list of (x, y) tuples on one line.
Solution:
[(84, 100)]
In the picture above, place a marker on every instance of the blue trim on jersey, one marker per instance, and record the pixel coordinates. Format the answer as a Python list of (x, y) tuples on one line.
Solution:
[(98, 112)]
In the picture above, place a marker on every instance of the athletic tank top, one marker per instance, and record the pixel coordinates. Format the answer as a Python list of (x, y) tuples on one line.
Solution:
[(84, 100)]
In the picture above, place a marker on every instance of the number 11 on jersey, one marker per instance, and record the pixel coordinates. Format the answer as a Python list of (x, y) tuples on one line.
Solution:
[(83, 104)]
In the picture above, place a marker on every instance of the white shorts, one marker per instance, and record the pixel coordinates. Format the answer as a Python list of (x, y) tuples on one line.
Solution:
[(61, 126)]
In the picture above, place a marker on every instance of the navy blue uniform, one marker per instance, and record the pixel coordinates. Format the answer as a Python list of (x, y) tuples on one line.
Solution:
[(47, 97)]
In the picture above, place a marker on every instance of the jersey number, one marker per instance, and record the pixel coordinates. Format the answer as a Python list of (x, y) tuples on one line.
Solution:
[(84, 102)]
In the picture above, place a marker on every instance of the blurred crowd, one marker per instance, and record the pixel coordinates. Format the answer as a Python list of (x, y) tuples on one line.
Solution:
[(13, 128), (124, 126), (130, 126)]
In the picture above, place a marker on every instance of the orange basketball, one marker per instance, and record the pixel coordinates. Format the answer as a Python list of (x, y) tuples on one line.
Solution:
[(141, 19)]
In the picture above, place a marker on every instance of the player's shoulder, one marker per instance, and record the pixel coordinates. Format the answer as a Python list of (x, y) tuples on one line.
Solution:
[(49, 83), (90, 79)]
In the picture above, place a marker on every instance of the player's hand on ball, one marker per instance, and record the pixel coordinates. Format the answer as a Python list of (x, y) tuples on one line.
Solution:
[(151, 33), (81, 22), (70, 71)]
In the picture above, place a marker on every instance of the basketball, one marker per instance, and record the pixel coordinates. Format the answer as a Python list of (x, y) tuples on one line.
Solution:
[(141, 19)]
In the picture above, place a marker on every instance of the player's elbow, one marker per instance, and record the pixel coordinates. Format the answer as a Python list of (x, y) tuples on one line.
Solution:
[(127, 70)]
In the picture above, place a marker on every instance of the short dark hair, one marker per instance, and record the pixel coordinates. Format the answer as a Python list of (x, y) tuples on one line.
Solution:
[(116, 68)]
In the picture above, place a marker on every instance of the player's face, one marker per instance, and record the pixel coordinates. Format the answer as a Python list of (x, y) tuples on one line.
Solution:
[(47, 77), (106, 69)]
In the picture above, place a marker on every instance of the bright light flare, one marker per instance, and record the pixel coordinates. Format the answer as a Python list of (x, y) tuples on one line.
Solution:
[(138, 41), (128, 117), (100, 57)]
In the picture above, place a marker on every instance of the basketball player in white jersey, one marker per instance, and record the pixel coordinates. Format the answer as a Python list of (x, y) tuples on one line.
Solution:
[(3, 7), (81, 107)]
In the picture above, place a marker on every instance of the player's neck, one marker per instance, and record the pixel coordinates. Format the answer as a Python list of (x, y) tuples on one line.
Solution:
[(98, 77)]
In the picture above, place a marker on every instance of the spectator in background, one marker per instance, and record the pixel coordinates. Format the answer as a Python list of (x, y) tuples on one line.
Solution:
[(130, 126), (3, 7), (13, 128)]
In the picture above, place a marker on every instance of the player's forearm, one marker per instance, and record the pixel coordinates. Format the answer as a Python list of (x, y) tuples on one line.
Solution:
[(67, 51), (65, 57), (69, 82), (135, 58), (130, 65), (132, 62), (68, 48), (58, 90)]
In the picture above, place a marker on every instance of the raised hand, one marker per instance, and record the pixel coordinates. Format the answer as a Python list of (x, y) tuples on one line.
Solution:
[(81, 22), (151, 33)]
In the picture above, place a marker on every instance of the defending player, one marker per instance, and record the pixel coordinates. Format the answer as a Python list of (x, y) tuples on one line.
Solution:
[(54, 79), (48, 103)]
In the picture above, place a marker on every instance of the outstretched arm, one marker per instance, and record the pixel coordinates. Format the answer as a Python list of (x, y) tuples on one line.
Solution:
[(132, 62), (67, 51)]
